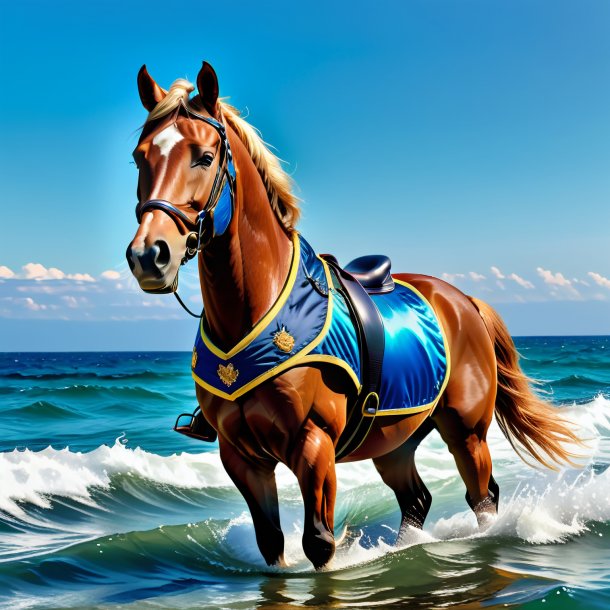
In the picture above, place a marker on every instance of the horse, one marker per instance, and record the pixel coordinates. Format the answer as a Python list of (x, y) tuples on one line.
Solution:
[(210, 188)]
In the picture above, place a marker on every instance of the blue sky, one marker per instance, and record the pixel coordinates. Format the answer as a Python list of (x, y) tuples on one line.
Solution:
[(467, 139)]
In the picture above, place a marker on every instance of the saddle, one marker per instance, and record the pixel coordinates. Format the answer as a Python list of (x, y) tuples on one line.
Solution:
[(373, 272), (356, 281)]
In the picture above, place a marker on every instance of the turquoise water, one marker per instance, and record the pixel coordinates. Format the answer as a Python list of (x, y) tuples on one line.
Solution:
[(103, 505)]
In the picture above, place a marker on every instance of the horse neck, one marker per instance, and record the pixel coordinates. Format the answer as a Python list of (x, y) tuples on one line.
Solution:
[(243, 271)]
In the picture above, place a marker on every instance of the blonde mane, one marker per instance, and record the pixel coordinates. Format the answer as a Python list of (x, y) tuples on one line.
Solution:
[(277, 182)]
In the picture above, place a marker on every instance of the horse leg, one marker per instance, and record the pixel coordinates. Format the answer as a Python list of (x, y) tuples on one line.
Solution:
[(399, 473), (471, 453), (313, 463), (256, 482)]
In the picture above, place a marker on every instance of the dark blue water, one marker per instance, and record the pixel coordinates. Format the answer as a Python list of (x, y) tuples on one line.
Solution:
[(102, 504)]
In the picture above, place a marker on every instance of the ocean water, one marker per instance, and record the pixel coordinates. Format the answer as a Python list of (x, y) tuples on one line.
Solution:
[(102, 505)]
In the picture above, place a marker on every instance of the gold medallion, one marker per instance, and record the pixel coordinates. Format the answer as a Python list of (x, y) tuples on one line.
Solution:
[(283, 340), (228, 374), (194, 358)]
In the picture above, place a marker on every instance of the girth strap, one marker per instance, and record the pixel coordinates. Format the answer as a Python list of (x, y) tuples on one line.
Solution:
[(371, 340)]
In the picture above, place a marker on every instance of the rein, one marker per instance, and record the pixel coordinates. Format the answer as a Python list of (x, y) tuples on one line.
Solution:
[(186, 308), (218, 209)]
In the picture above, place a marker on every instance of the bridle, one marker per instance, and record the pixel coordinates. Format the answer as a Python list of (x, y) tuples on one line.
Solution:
[(218, 209), (216, 214)]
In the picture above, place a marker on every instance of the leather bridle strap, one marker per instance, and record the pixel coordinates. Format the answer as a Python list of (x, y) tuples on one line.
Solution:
[(222, 192), (164, 206), (223, 180)]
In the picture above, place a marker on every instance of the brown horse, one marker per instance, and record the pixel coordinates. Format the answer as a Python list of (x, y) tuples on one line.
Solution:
[(297, 416)]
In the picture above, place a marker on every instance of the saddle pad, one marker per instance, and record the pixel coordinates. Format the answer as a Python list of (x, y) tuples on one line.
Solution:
[(293, 327), (415, 367)]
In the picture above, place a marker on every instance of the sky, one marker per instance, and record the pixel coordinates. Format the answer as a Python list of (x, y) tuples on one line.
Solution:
[(466, 139)]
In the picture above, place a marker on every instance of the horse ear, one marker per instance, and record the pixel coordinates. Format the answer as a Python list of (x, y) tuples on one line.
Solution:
[(207, 84), (150, 93)]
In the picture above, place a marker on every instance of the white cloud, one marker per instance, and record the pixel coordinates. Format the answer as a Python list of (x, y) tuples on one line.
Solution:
[(558, 281), (6, 273), (554, 279), (36, 271), (159, 302), (70, 301), (41, 292), (476, 277), (32, 305), (575, 280), (521, 281), (497, 273), (452, 277), (600, 280), (110, 275), (80, 277)]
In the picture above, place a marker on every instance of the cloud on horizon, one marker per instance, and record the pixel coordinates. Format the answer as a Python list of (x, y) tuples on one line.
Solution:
[(48, 293), (40, 292), (501, 287)]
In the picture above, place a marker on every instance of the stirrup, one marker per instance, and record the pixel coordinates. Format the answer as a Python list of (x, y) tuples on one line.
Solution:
[(198, 427)]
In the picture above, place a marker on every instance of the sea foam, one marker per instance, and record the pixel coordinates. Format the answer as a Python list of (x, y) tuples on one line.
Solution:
[(544, 506)]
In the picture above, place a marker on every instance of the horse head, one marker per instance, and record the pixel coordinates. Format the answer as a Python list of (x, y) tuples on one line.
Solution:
[(186, 178)]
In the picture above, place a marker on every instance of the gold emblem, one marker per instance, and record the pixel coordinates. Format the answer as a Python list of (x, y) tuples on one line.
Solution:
[(194, 358), (283, 340), (228, 374)]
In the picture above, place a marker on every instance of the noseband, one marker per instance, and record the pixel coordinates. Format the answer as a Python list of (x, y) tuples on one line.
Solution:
[(218, 209)]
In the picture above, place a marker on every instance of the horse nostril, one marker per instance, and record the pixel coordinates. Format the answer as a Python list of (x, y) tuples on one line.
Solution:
[(163, 256), (129, 257)]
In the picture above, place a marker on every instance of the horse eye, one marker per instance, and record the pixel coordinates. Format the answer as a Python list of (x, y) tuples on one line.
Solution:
[(205, 160)]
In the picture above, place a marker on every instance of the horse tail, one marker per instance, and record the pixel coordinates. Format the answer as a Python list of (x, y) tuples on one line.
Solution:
[(530, 424)]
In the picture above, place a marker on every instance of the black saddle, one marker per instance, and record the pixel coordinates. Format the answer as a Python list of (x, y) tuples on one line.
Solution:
[(363, 276), (373, 272)]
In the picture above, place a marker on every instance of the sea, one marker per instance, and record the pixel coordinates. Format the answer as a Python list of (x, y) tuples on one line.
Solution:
[(103, 505)]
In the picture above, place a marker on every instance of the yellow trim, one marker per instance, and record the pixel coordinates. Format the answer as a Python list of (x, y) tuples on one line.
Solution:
[(326, 359), (430, 405), (291, 362), (402, 411), (266, 319)]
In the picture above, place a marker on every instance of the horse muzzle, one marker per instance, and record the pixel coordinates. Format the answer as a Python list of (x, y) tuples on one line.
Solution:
[(154, 266)]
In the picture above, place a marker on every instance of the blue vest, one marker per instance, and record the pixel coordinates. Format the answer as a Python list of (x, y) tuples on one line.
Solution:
[(311, 323)]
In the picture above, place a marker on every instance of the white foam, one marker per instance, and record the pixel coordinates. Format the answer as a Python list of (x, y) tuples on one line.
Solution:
[(33, 476), (544, 507)]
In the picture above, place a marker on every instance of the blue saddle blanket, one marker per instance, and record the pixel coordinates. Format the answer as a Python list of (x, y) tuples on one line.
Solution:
[(416, 359), (311, 323)]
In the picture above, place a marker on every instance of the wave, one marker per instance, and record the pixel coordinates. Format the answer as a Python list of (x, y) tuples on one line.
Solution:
[(222, 552), (99, 392), (148, 374), (563, 362), (578, 381), (42, 409), (35, 476), (117, 488)]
